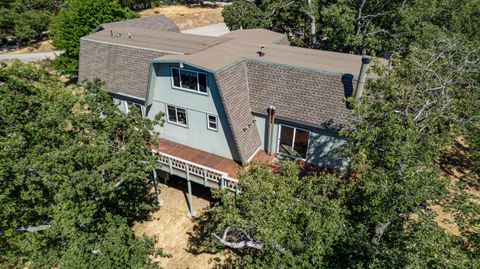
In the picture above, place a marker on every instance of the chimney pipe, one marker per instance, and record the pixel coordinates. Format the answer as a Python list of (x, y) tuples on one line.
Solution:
[(362, 76), (270, 125)]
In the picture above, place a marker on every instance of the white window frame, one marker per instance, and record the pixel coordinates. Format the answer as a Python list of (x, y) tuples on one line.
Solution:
[(176, 115), (208, 122), (127, 110), (293, 141), (180, 80)]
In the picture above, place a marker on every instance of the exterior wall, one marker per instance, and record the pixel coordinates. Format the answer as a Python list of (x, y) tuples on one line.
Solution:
[(124, 69), (322, 147), (197, 105), (233, 87)]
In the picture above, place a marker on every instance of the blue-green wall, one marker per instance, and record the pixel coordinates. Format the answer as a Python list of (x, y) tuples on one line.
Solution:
[(323, 144), (198, 105)]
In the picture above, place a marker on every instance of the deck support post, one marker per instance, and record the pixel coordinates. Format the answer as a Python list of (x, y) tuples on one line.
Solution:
[(157, 188), (189, 188)]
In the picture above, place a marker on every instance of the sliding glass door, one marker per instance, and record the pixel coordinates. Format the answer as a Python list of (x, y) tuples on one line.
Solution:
[(293, 142)]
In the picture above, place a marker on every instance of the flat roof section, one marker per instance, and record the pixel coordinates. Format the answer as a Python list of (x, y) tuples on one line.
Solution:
[(156, 39), (226, 53)]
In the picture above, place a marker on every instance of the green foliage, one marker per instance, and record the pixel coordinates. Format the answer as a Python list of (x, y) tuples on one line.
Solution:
[(357, 25), (70, 159), (409, 114), (296, 219), (242, 15), (23, 19), (79, 18)]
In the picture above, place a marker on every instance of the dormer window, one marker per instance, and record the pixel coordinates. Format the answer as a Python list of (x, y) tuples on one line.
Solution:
[(189, 80)]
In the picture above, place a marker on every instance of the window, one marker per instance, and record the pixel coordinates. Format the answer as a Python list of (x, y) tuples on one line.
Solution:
[(212, 122), (177, 115), (140, 107), (189, 80), (293, 142)]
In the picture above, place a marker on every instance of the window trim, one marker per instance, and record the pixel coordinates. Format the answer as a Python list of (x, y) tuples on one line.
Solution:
[(127, 110), (293, 141), (176, 115), (180, 80), (208, 122)]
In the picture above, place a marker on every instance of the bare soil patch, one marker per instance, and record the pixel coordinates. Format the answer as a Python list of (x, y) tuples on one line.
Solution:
[(186, 17), (173, 228), (42, 46)]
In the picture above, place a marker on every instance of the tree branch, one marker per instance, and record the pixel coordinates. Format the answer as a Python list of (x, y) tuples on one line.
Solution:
[(240, 244), (34, 229), (379, 231)]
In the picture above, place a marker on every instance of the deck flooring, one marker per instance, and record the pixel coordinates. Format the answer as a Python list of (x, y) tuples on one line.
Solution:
[(208, 159)]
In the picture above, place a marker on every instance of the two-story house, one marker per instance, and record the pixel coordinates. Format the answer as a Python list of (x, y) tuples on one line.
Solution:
[(228, 100)]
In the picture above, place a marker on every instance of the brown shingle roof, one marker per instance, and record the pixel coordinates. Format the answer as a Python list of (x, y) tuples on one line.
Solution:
[(124, 69)]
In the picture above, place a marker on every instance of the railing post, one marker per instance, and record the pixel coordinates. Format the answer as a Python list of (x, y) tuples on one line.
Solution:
[(205, 177), (170, 165)]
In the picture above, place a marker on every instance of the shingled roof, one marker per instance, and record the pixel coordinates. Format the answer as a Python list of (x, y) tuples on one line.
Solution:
[(306, 86)]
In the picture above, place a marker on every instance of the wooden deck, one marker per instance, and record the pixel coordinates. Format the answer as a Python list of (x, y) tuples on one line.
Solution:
[(208, 159)]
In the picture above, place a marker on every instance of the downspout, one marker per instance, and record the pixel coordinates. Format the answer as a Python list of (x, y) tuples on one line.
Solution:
[(270, 125), (362, 76)]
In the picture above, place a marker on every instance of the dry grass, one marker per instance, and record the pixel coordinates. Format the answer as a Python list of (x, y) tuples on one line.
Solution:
[(456, 168), (188, 17), (173, 227), (42, 46)]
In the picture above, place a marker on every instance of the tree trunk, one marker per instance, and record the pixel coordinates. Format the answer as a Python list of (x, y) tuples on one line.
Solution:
[(313, 26)]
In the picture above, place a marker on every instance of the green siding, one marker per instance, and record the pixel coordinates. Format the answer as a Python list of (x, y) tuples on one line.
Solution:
[(198, 105), (323, 144)]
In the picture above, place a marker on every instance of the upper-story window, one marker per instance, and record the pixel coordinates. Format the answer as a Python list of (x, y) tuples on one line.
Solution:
[(293, 142), (177, 115), (189, 80)]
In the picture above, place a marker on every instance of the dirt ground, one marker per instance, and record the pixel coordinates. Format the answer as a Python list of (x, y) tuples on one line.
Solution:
[(188, 17), (42, 46), (456, 168), (173, 227)]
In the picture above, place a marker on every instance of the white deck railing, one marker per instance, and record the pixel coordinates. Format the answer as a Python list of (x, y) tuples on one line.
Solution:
[(209, 175)]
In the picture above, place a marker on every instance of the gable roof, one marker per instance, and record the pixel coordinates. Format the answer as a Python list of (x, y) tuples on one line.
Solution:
[(156, 22), (306, 86)]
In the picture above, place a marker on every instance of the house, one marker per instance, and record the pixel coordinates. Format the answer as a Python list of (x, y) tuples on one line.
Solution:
[(228, 100)]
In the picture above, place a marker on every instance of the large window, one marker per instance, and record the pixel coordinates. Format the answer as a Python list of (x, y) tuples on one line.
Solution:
[(293, 142), (189, 80), (177, 115)]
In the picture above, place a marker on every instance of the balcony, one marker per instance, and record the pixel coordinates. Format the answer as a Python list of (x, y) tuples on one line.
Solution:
[(201, 167)]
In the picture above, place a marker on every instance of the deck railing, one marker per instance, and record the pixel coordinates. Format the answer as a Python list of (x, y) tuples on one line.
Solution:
[(209, 175)]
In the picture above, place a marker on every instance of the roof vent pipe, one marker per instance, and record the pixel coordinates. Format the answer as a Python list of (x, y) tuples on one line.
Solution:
[(261, 53), (111, 32), (362, 76), (129, 35)]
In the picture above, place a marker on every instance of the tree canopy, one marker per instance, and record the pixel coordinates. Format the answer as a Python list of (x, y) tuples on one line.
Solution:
[(378, 212), (79, 18), (24, 19), (75, 172), (357, 25)]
